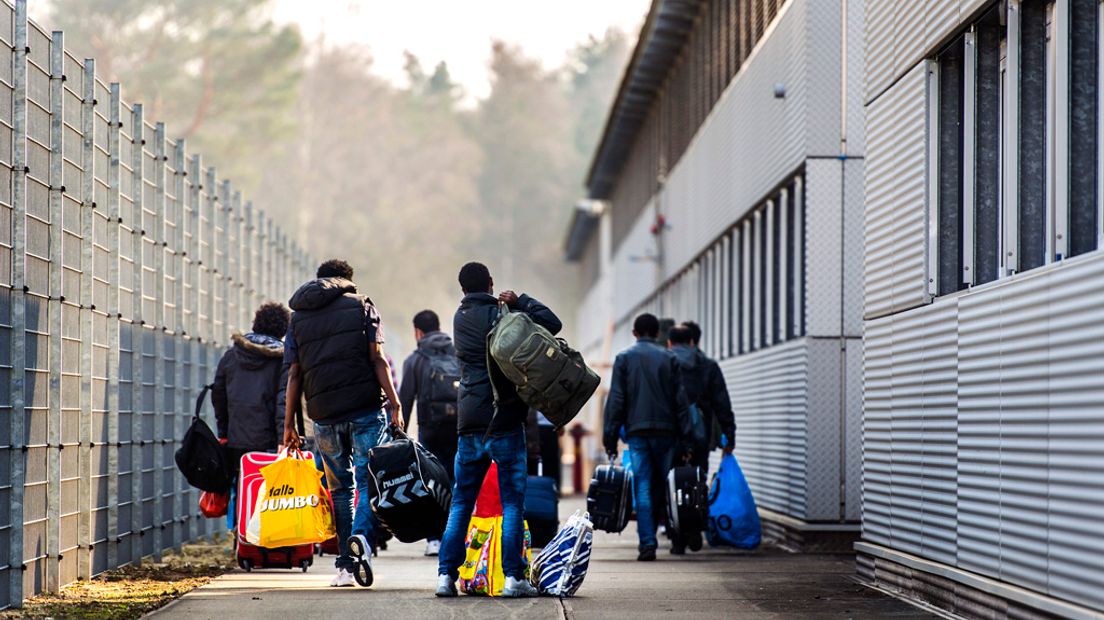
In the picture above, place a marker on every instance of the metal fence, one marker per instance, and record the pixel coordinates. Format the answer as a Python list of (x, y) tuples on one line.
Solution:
[(125, 264)]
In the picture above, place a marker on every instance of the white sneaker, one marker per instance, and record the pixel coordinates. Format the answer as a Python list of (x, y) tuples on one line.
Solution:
[(433, 547), (343, 579), (446, 587), (518, 588)]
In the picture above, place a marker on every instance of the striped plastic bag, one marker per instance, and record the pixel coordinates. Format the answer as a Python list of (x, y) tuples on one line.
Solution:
[(562, 565)]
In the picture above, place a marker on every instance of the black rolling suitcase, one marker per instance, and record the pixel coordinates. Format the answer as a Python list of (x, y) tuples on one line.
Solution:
[(687, 501), (410, 494), (609, 498)]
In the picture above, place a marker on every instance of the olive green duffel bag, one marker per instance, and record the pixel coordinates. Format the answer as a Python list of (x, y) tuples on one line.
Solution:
[(550, 376)]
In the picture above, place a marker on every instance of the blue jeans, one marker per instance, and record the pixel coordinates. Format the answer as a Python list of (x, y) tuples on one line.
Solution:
[(473, 457), (652, 456), (344, 448)]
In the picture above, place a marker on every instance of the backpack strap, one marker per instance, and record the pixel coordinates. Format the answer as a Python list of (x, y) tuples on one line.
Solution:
[(199, 400)]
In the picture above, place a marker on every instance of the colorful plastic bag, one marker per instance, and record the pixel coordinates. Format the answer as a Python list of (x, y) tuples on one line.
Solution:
[(291, 508), (733, 517), (481, 573)]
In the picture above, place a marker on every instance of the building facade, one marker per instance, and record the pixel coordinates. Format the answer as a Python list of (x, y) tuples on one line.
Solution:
[(984, 306), (727, 189)]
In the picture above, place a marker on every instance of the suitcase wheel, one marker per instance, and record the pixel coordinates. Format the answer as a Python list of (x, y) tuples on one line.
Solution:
[(246, 564), (304, 565), (362, 572)]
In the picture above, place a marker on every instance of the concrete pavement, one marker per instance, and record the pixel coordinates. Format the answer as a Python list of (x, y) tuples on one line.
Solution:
[(710, 584)]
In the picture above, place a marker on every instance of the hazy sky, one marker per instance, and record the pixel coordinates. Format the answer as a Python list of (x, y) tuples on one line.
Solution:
[(460, 31)]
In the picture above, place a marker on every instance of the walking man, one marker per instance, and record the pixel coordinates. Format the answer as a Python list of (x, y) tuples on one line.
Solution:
[(431, 378), (705, 387), (489, 429), (648, 403), (334, 354)]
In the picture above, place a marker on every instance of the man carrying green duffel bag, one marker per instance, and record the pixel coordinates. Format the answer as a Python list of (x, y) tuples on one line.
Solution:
[(549, 375)]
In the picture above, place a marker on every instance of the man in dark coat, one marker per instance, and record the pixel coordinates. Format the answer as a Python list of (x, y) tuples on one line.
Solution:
[(334, 352), (705, 387), (489, 429), (246, 388), (648, 404), (430, 381)]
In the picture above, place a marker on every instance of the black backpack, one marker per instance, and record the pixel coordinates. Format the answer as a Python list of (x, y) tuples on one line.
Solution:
[(201, 458), (440, 388)]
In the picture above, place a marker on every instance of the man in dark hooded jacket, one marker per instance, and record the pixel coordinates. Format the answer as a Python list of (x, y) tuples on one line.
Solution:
[(334, 352), (705, 387), (489, 429), (247, 384), (430, 381)]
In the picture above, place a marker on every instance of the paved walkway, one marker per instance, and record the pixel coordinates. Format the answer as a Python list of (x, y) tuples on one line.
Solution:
[(710, 584)]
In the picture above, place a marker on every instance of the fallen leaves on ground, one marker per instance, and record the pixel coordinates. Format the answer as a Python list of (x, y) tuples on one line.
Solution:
[(132, 591)]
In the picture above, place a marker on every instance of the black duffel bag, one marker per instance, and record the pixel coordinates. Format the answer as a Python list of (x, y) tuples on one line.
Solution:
[(201, 458), (410, 493)]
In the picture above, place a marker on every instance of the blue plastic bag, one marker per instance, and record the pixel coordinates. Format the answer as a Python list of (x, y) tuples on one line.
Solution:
[(733, 518)]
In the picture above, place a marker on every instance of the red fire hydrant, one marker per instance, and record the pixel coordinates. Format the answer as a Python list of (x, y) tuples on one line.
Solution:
[(577, 433)]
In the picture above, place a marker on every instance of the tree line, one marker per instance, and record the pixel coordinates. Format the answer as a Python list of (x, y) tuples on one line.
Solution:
[(406, 182)]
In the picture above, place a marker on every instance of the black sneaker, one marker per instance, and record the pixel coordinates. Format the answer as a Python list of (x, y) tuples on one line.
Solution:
[(362, 553), (678, 549), (647, 554)]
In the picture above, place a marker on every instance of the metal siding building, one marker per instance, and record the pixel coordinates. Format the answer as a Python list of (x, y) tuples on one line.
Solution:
[(983, 368), (124, 267), (731, 173)]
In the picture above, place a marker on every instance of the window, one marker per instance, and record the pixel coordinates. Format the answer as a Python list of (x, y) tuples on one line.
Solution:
[(1014, 115), (746, 289)]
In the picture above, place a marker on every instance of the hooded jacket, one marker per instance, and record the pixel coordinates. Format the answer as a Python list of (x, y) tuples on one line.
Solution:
[(474, 319), (245, 392), (705, 387), (646, 396), (414, 374), (332, 328)]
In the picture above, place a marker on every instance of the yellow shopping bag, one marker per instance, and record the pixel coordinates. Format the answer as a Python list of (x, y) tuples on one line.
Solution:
[(292, 507)]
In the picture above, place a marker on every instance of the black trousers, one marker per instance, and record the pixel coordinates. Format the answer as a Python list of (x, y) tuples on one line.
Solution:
[(442, 443), (550, 457)]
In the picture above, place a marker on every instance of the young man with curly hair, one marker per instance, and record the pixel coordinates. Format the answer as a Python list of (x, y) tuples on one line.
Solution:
[(334, 354), (248, 381)]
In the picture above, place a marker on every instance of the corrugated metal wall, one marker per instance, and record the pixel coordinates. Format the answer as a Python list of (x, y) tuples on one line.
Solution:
[(984, 435), (124, 267), (983, 424)]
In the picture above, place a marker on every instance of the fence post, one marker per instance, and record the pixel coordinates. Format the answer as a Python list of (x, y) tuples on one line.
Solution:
[(87, 305), (18, 311), (238, 281), (53, 311), (180, 416), (224, 268), (114, 320), (160, 332), (249, 245), (195, 338), (137, 338)]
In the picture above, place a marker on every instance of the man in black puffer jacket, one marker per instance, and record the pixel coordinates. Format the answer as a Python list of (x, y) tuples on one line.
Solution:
[(489, 430), (334, 352), (247, 384)]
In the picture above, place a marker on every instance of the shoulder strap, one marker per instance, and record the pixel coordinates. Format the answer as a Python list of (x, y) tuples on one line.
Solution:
[(199, 399)]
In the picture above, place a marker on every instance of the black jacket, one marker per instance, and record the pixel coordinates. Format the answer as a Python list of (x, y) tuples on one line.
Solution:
[(332, 328), (705, 386), (474, 319), (646, 396), (413, 372), (245, 393)]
